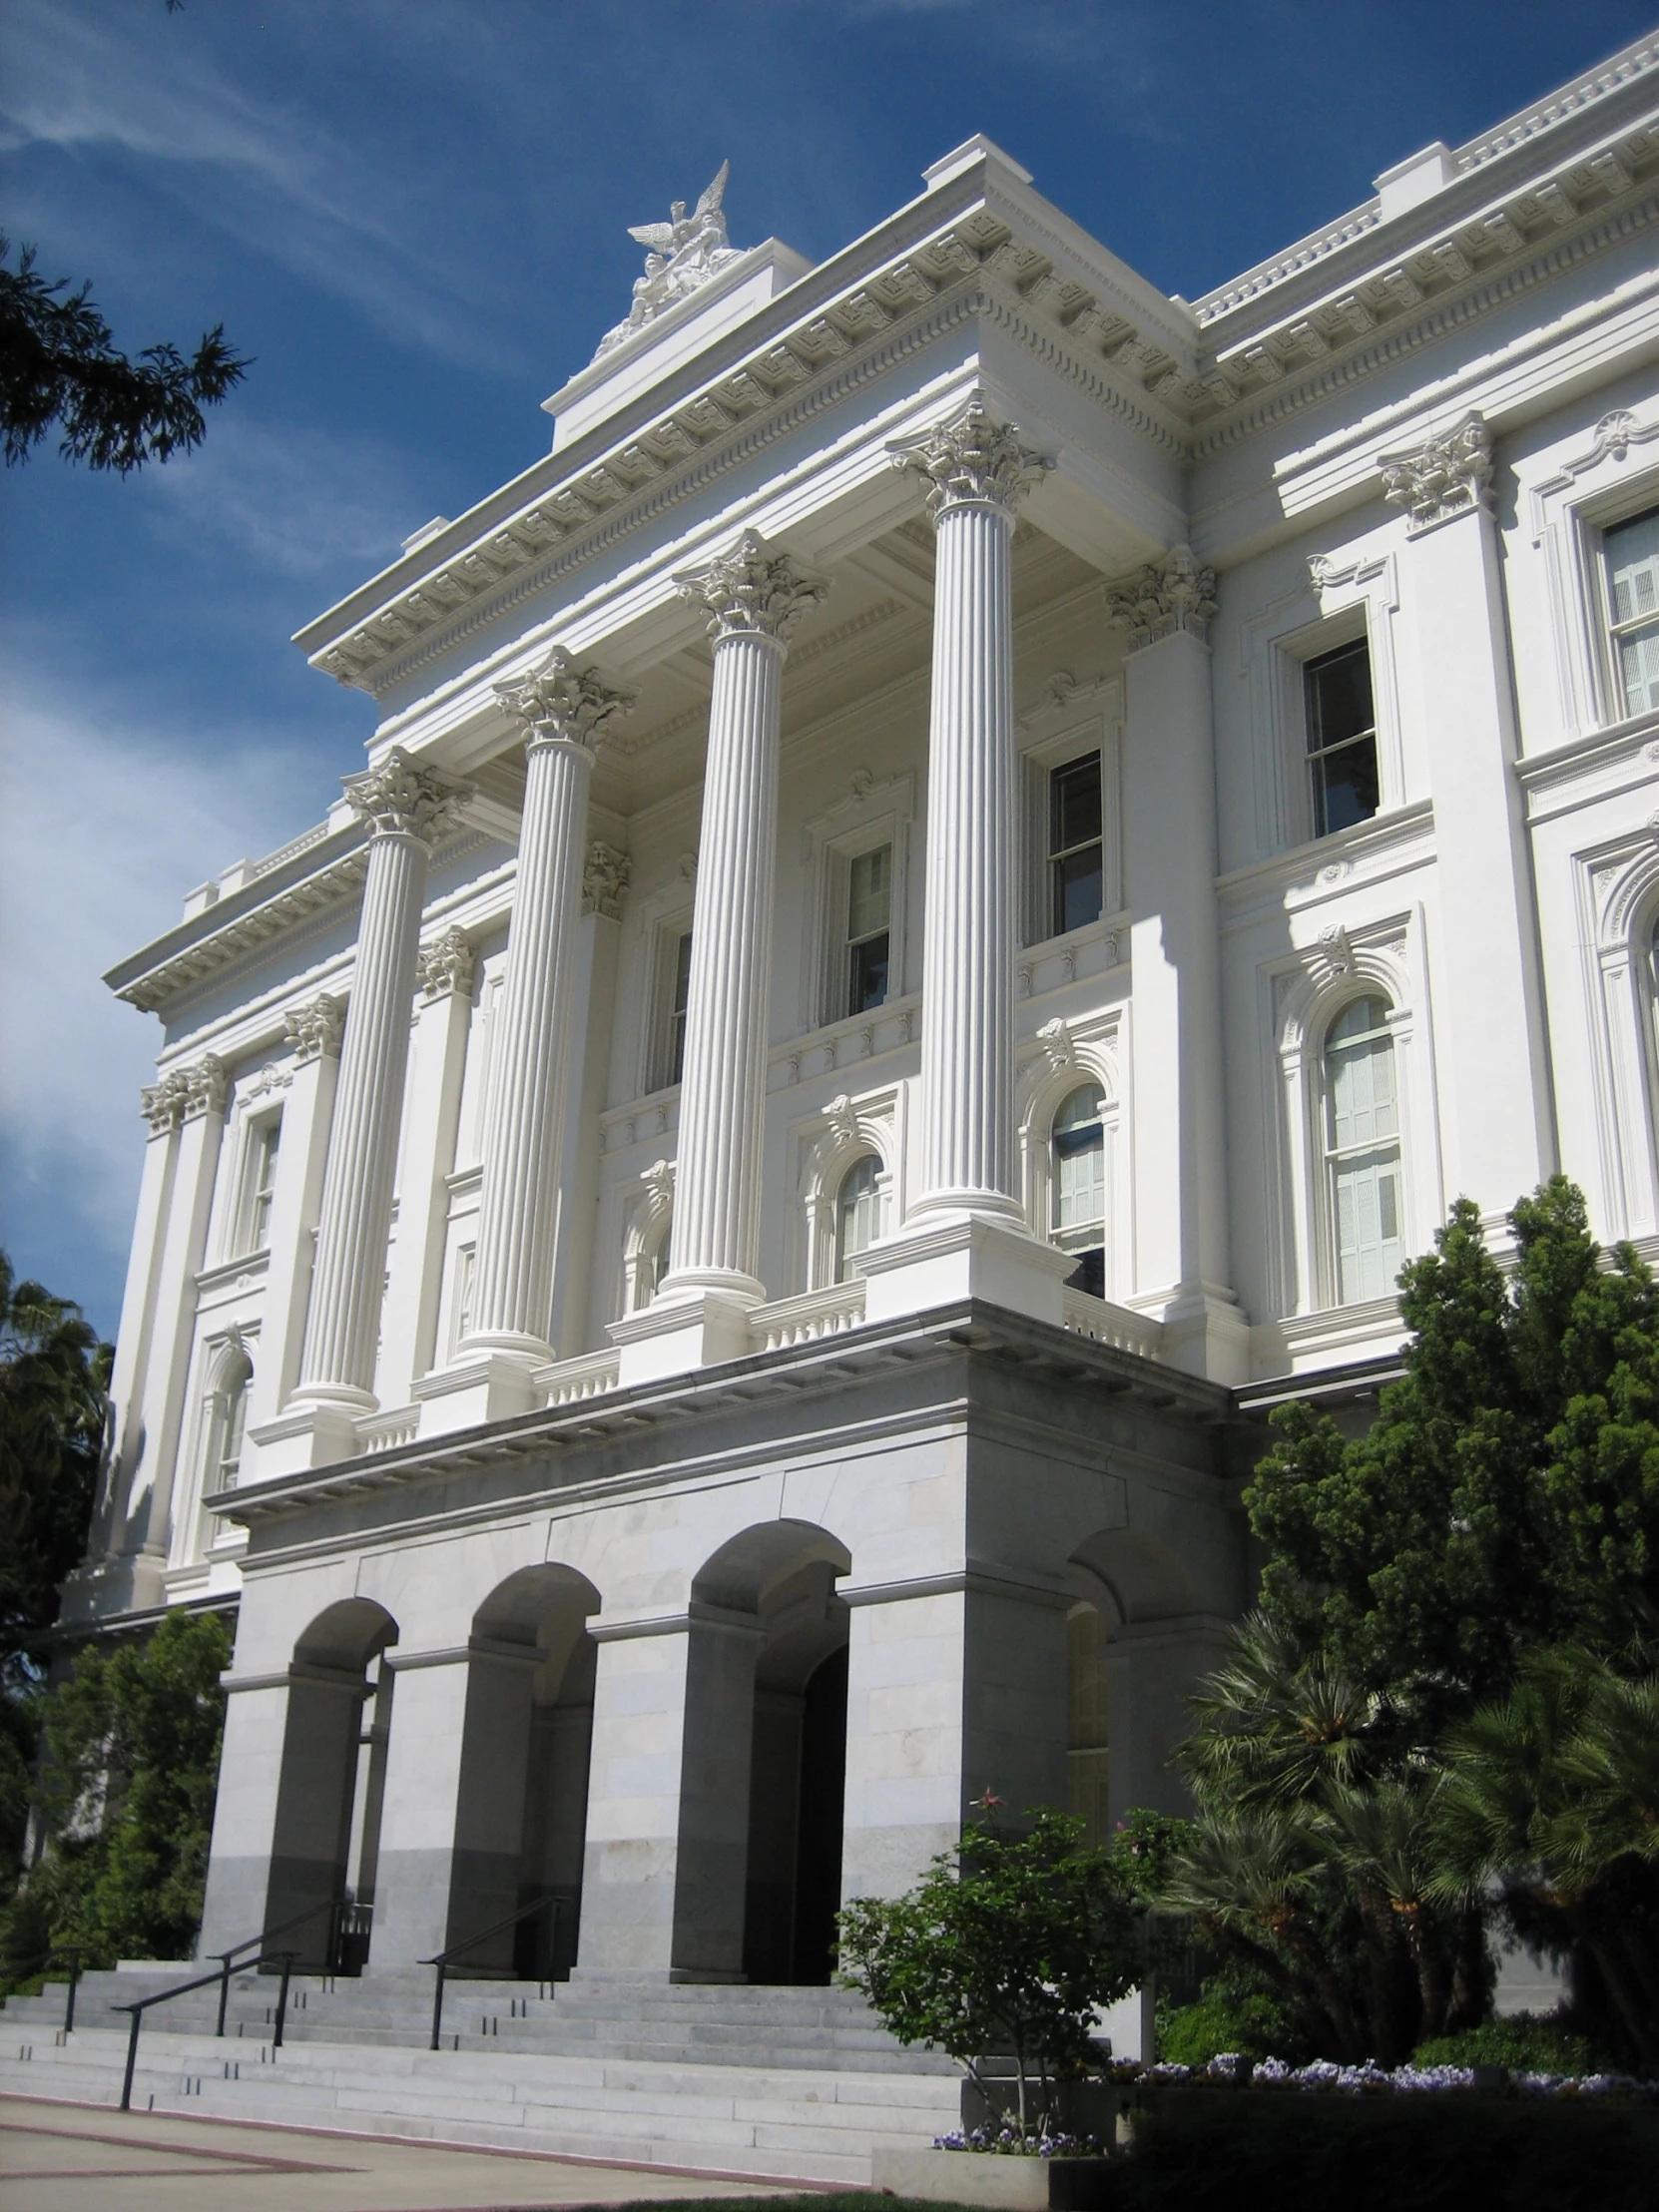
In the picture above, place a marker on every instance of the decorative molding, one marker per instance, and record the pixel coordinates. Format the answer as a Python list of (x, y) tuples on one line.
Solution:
[(558, 703), (163, 1104), (403, 797), (971, 459), (606, 875), (1166, 596), (184, 1093), (1334, 949), (314, 1030), (756, 590), (1055, 1039), (446, 966), (682, 255), (1450, 475)]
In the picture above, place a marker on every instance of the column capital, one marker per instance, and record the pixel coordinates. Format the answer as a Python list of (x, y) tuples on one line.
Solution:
[(1450, 475), (163, 1104), (756, 590), (1169, 594), (446, 966), (558, 701), (606, 875), (314, 1029), (402, 798), (971, 459)]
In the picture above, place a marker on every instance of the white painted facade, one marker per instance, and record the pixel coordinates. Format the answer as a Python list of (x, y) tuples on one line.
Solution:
[(549, 1319)]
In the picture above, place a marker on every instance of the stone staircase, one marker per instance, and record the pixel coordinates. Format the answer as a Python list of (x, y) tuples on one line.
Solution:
[(794, 2085)]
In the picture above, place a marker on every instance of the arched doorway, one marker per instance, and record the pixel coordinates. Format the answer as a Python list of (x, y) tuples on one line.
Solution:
[(1136, 1649), (521, 1813), (782, 1578), (325, 1843)]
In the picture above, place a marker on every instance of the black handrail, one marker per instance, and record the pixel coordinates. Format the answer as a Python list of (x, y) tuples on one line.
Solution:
[(181, 1988), (69, 1951), (333, 1907), (445, 1959)]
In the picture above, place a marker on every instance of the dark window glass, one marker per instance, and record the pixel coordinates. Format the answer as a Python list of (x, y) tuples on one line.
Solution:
[(868, 912), (1074, 845), (677, 1017), (1342, 738)]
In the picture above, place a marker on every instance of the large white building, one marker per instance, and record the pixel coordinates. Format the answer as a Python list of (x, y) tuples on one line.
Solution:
[(942, 892)]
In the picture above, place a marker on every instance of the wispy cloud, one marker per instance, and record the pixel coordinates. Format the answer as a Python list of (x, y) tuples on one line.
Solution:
[(269, 172)]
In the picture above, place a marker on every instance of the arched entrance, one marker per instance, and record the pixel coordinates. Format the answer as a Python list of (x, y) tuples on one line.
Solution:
[(781, 1578), (325, 1842), (521, 1812)]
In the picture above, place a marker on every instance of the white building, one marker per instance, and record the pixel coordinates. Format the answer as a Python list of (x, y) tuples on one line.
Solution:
[(942, 892)]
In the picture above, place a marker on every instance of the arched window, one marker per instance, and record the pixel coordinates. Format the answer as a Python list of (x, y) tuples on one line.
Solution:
[(233, 1417), (1361, 1149), (1079, 1187), (857, 1212)]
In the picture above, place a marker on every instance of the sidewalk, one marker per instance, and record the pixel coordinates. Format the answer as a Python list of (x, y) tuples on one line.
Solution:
[(91, 2158)]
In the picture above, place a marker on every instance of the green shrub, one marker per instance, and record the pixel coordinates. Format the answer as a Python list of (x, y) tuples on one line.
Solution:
[(1235, 2011), (1527, 2042)]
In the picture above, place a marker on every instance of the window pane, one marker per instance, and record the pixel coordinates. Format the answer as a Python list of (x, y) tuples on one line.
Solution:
[(870, 893), (857, 1212), (1339, 697), (1077, 890), (1639, 669), (1633, 568), (1075, 803), (1362, 1118), (677, 1017), (869, 974), (1079, 1167), (1345, 787)]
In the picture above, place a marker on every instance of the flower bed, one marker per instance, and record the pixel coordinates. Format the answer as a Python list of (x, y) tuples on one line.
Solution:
[(1007, 2142), (1324, 2075)]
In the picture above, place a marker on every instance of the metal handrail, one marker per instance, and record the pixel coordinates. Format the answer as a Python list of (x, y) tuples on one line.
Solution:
[(445, 1959), (333, 1907), (141, 2005), (73, 1954)]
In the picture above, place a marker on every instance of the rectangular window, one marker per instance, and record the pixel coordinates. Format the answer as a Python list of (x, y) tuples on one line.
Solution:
[(460, 1326), (676, 1008), (869, 918), (1342, 738), (1363, 1109), (261, 1182), (1074, 845), (229, 1449), (1632, 552)]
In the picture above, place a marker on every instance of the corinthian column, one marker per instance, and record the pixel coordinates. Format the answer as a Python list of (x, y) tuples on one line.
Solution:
[(563, 712), (753, 595), (406, 808), (976, 470)]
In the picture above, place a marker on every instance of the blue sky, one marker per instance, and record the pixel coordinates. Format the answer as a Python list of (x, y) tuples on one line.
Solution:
[(414, 213)]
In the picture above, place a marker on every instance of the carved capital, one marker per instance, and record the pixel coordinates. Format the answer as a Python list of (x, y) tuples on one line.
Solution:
[(561, 702), (606, 875), (403, 799), (971, 459), (163, 1104), (444, 966), (756, 590), (1166, 595), (1450, 475), (205, 1087), (314, 1030)]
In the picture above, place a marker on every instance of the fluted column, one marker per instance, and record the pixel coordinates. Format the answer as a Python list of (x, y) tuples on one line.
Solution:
[(976, 470), (407, 808), (753, 595), (564, 711)]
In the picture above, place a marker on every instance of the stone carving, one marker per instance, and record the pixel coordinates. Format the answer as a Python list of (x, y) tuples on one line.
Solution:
[(1337, 950), (163, 1104), (1615, 434), (605, 879), (756, 590), (1450, 475), (402, 798), (445, 966), (658, 1179), (842, 1120), (681, 256), (559, 702), (1168, 594), (314, 1030), (971, 458), (1055, 1038), (201, 1088)]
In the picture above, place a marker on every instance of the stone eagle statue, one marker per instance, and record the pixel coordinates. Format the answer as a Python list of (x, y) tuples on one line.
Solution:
[(681, 254)]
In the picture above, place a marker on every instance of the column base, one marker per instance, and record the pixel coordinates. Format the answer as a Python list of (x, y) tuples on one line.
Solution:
[(674, 1335), (941, 1262), (480, 1386), (309, 1432)]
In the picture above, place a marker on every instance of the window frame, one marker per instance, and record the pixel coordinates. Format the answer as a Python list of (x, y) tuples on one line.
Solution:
[(869, 1156), (1075, 719), (872, 815), (853, 945), (1312, 785), (1616, 707), (1059, 853), (1333, 1155)]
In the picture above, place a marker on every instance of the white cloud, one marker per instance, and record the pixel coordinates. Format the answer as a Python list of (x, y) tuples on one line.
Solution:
[(102, 823)]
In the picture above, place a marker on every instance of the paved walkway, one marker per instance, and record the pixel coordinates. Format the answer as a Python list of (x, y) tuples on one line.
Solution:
[(90, 2158)]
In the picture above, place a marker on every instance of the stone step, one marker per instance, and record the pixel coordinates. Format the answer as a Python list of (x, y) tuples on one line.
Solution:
[(790, 2124)]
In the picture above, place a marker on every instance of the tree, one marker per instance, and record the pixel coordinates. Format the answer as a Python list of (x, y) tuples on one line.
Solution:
[(59, 365), (53, 1373), (1552, 1794), (1011, 1945), (1507, 1495), (132, 1762)]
